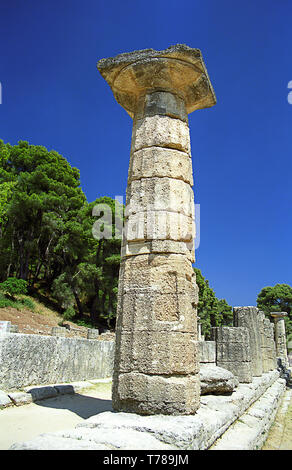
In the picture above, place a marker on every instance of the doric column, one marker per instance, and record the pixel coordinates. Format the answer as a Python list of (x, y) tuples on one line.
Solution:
[(248, 317), (280, 336), (265, 347), (233, 351), (156, 359)]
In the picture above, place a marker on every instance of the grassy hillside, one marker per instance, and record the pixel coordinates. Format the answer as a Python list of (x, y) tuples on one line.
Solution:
[(34, 317)]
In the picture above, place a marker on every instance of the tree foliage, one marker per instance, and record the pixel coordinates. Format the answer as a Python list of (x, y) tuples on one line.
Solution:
[(277, 298), (211, 310), (46, 234), (14, 286)]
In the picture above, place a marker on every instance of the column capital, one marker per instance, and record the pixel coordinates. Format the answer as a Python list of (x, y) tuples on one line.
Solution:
[(179, 70), (278, 315)]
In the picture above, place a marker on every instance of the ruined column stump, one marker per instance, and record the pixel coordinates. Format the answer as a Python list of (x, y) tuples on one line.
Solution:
[(233, 350), (280, 336), (249, 317), (156, 368)]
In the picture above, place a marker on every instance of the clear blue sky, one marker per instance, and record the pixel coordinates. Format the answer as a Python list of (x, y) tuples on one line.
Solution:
[(241, 148)]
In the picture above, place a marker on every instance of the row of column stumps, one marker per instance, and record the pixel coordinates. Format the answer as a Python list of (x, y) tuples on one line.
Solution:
[(156, 369), (252, 345)]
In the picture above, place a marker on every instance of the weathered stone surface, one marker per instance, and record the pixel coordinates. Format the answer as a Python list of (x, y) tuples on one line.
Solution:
[(270, 347), (207, 352), (280, 336), (261, 317), (156, 315), (92, 333), (28, 360), (57, 442), (233, 351), (155, 311), (240, 369), (157, 352), (195, 432), (157, 162), (216, 380), (20, 398), (161, 131), (156, 394), (161, 103), (159, 225), (133, 74), (158, 246), (5, 327), (40, 393), (250, 431), (4, 399), (163, 273), (160, 194), (59, 331), (248, 317)]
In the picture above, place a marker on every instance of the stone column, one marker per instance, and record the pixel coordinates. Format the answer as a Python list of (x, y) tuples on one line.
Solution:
[(156, 358), (270, 344), (264, 342), (199, 328), (280, 336), (233, 351), (248, 317)]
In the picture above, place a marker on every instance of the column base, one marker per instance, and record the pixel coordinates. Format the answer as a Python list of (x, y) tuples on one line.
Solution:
[(153, 394)]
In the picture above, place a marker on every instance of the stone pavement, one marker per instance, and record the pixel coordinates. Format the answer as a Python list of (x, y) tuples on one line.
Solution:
[(254, 403)]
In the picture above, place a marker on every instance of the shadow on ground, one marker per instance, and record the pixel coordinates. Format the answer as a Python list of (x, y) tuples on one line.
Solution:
[(82, 405)]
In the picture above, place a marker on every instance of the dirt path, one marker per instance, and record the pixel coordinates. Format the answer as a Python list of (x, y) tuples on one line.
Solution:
[(280, 435), (22, 423)]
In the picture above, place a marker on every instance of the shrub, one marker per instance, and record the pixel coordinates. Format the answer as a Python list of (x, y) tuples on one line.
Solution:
[(14, 286), (69, 313)]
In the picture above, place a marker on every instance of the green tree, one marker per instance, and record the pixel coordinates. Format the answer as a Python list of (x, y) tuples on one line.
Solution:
[(211, 310), (277, 298), (41, 194)]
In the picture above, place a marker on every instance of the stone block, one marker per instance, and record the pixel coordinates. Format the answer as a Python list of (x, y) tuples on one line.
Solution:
[(249, 318), (20, 398), (160, 353), (161, 131), (41, 393), (161, 162), (159, 225), (161, 103), (4, 400), (162, 273), (233, 351), (230, 334), (216, 380), (151, 394), (159, 246), (207, 351), (58, 331), (92, 333), (160, 194), (156, 311), (5, 326), (241, 370)]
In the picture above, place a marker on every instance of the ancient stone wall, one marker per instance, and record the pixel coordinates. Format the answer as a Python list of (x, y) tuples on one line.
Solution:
[(35, 359)]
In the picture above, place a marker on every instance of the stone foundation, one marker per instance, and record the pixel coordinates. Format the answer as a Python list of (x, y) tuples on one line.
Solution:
[(257, 401)]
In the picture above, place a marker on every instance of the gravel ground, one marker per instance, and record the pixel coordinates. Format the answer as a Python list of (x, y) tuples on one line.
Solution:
[(22, 423), (280, 435)]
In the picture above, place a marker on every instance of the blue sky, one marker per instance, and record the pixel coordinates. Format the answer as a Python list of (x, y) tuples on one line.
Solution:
[(52, 95)]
